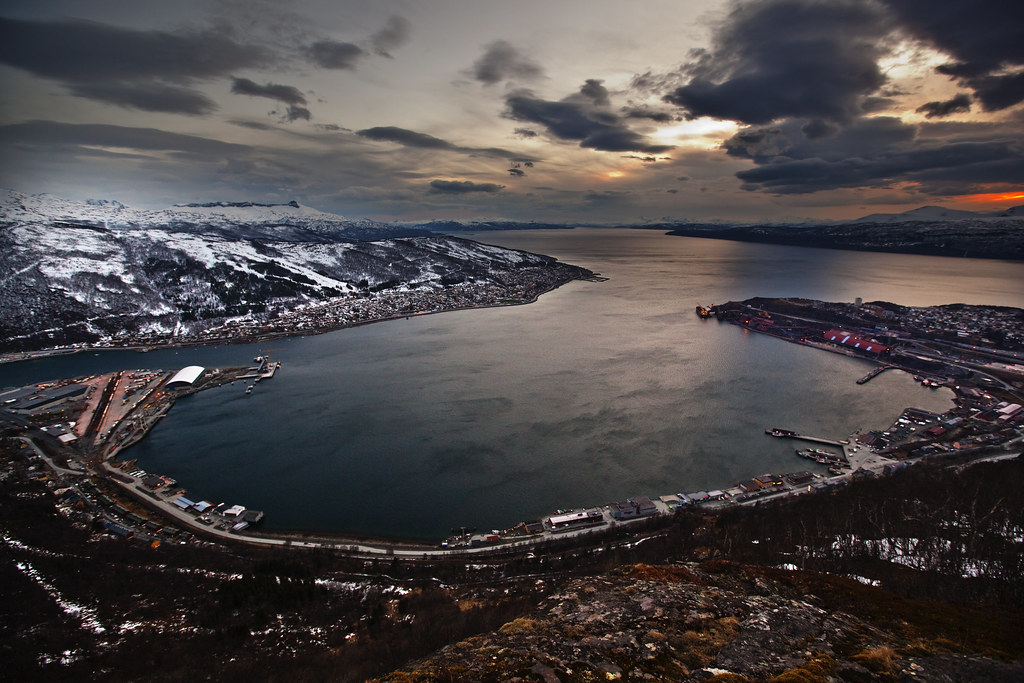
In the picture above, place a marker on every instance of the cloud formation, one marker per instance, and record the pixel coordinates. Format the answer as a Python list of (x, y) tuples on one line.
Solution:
[(331, 54), (879, 152), (984, 38), (285, 94), (147, 70), (411, 138), (580, 118), (958, 104), (463, 187), (501, 61), (778, 59)]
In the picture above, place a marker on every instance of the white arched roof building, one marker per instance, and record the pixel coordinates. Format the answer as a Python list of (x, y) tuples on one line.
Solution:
[(185, 377)]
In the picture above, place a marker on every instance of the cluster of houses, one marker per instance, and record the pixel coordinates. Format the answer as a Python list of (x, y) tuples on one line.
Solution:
[(642, 506), (971, 324)]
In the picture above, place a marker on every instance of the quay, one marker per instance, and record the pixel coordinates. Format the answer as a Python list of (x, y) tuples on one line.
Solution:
[(787, 434), (873, 374), (265, 370)]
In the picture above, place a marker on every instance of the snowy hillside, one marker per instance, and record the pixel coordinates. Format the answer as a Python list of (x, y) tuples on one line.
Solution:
[(84, 272), (247, 220)]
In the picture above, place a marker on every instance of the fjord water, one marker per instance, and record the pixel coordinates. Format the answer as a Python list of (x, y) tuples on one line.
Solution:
[(596, 392)]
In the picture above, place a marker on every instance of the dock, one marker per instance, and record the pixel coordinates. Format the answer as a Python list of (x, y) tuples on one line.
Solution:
[(873, 374), (787, 434), (265, 370)]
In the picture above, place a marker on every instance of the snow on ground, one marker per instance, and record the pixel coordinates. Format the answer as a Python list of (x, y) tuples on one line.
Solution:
[(86, 615)]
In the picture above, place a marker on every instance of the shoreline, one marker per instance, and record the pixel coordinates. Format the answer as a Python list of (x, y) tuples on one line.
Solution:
[(20, 356)]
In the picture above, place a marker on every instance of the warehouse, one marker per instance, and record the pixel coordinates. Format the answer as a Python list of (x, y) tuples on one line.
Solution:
[(847, 339), (186, 377)]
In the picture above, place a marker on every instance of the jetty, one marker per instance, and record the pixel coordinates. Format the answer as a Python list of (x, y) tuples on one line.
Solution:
[(873, 374), (788, 434)]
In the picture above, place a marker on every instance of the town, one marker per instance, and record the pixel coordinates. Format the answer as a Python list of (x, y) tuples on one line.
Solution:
[(73, 429)]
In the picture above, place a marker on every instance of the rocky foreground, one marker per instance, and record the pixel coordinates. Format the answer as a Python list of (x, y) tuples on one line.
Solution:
[(720, 621)]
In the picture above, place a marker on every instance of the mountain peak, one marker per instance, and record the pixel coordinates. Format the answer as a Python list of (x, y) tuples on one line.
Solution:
[(929, 212)]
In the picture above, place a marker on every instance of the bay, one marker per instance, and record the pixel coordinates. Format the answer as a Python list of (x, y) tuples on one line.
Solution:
[(596, 392)]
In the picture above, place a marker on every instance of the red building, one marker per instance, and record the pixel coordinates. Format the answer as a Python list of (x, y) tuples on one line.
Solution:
[(848, 339)]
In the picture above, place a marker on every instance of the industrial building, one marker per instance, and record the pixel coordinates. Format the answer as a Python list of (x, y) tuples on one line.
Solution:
[(575, 520), (186, 377), (854, 342)]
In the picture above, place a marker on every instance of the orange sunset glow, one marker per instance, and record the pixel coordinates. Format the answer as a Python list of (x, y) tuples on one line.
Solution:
[(994, 197)]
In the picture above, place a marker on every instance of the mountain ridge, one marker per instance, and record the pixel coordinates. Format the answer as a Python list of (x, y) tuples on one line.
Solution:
[(78, 272), (932, 212)]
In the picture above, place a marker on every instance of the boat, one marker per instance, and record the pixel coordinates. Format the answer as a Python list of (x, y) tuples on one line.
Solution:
[(781, 433), (703, 312)]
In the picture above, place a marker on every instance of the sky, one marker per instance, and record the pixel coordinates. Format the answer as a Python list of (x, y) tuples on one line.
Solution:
[(578, 111)]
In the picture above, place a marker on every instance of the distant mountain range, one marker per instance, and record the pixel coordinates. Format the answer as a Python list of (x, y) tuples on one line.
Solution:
[(89, 271), (932, 213), (931, 230)]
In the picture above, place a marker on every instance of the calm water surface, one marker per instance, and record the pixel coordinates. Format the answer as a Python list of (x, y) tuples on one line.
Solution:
[(597, 392)]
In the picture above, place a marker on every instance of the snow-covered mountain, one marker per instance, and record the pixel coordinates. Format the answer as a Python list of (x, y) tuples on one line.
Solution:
[(936, 214), (245, 220), (84, 271)]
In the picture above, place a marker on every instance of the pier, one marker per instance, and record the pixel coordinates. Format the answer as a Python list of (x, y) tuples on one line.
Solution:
[(787, 434), (873, 374), (265, 370)]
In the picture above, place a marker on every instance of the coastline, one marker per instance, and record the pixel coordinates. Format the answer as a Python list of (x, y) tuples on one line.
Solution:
[(254, 338)]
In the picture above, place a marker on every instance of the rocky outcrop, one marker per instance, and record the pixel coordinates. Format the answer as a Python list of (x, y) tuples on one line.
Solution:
[(720, 622)]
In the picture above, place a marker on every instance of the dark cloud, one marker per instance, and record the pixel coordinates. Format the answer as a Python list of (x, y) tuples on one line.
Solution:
[(958, 104), (651, 114), (330, 54), (817, 128), (282, 93), (285, 94), (874, 104), (254, 125), (984, 37), (501, 61), (879, 152), (147, 70), (998, 92), (595, 90), (575, 118), (408, 138), (516, 172), (394, 35), (156, 97), (294, 113), (778, 59), (52, 133), (764, 144), (463, 187), (411, 138), (525, 132)]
